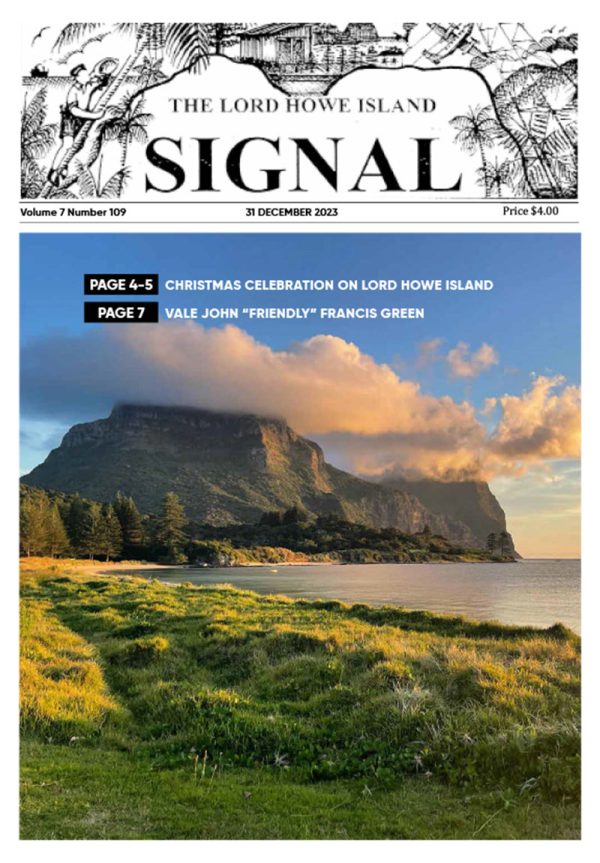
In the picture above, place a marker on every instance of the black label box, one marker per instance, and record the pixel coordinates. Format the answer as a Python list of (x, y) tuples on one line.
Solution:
[(120, 313), (117, 284)]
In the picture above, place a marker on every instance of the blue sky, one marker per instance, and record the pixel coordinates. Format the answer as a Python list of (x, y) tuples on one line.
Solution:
[(531, 319)]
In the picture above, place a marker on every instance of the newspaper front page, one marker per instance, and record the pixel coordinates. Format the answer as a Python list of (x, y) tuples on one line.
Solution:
[(300, 429)]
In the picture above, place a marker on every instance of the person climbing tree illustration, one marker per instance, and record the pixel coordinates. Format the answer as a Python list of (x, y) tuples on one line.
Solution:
[(78, 108), (87, 102)]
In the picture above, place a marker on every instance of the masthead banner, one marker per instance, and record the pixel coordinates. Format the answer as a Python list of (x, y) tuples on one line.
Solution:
[(309, 116)]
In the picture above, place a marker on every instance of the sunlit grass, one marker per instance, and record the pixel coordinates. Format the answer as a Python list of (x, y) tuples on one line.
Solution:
[(63, 692), (189, 678)]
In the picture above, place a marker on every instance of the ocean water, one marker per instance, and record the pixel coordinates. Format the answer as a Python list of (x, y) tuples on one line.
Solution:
[(527, 593)]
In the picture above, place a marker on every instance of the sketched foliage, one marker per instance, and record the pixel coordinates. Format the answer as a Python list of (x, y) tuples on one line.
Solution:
[(90, 188), (37, 139), (537, 109), (74, 33), (188, 45)]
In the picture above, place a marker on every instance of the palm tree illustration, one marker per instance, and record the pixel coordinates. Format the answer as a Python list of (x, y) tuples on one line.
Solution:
[(496, 175), (476, 131), (127, 123), (149, 71)]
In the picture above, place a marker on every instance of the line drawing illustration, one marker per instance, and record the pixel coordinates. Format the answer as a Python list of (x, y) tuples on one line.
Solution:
[(75, 112)]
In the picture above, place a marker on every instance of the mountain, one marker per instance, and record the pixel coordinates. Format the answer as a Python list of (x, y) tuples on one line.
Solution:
[(470, 502), (227, 468)]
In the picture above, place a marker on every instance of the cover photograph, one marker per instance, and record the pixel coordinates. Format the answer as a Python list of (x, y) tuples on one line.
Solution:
[(300, 416)]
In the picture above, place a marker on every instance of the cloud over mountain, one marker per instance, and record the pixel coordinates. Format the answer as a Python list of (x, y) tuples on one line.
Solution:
[(372, 419)]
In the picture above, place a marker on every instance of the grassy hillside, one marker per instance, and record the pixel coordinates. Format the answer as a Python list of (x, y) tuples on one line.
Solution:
[(193, 712)]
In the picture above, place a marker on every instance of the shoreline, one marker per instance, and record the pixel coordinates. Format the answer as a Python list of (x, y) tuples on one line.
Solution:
[(257, 565), (97, 567), (152, 572), (34, 563)]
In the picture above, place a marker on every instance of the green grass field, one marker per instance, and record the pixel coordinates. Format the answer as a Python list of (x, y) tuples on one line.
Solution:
[(151, 711)]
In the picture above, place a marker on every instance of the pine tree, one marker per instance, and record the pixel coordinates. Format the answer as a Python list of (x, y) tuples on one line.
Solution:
[(119, 506), (34, 523), (491, 542), (75, 520), (91, 540), (111, 536), (171, 521), (57, 540), (131, 524)]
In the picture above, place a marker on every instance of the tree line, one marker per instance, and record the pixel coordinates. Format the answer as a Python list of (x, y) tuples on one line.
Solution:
[(59, 525), (330, 534)]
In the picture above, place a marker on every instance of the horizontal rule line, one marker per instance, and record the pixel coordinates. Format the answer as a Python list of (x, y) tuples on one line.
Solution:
[(116, 202), (286, 222)]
